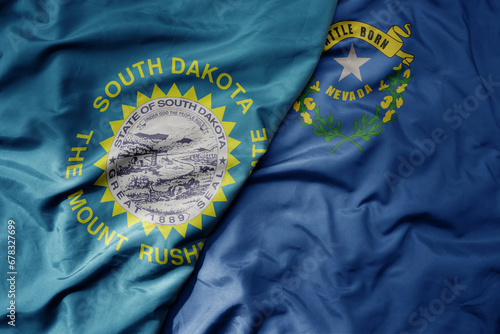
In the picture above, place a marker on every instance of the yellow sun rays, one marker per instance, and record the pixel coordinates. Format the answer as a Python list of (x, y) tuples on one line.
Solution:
[(219, 197)]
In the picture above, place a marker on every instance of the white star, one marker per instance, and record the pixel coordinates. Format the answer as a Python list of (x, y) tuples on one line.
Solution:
[(351, 64)]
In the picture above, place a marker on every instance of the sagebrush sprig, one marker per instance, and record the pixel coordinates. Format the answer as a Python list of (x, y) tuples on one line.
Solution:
[(367, 126)]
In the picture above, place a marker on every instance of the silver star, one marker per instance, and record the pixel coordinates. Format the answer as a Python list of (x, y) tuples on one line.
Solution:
[(351, 64)]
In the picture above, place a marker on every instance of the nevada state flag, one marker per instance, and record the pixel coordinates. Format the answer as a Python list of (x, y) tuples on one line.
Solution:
[(376, 207)]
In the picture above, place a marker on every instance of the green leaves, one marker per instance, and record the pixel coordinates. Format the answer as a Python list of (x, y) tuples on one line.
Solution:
[(370, 126), (326, 126), (329, 128), (367, 126), (393, 81), (329, 138), (405, 80)]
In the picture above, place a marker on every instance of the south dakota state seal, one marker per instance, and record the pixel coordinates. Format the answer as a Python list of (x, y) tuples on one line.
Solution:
[(167, 160)]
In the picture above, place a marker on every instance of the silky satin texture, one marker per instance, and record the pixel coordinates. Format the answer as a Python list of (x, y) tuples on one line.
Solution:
[(403, 237), (82, 262)]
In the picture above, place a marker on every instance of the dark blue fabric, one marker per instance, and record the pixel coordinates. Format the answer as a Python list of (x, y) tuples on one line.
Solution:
[(403, 237)]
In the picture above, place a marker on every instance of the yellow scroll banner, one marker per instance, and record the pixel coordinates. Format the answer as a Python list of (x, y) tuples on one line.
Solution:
[(389, 43)]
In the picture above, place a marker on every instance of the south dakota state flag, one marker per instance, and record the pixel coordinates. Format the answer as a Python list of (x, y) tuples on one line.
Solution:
[(377, 207), (127, 128)]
